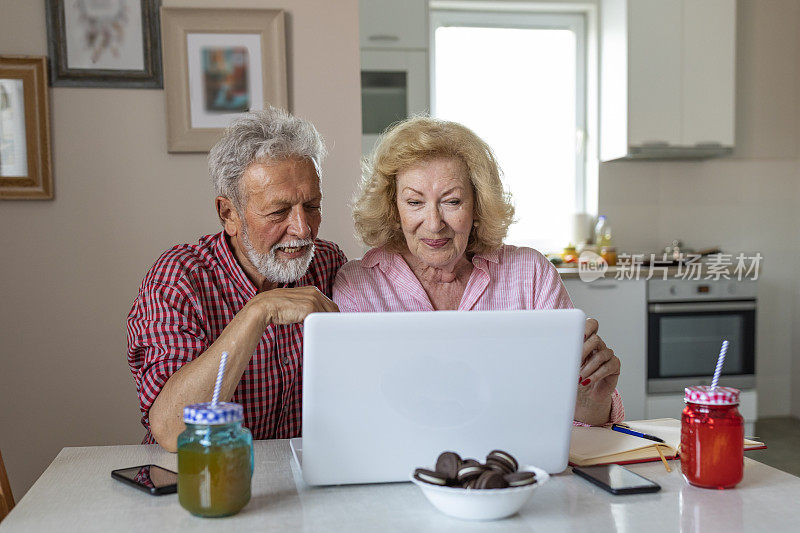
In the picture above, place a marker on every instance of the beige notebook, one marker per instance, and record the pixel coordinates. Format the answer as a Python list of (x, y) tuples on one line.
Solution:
[(602, 445)]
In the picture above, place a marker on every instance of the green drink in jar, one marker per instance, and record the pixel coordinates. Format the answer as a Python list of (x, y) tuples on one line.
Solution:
[(215, 460)]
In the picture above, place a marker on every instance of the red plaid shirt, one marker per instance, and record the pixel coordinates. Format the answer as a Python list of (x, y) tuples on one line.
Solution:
[(186, 300)]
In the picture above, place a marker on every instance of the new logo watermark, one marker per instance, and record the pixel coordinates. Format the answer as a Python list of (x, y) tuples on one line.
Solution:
[(591, 266)]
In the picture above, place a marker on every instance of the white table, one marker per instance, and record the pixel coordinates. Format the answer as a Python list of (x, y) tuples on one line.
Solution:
[(76, 493)]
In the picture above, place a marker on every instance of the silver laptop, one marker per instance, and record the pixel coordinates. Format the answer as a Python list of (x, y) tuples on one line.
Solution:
[(384, 393)]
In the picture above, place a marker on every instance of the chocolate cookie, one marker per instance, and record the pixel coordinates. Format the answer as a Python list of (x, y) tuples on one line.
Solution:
[(429, 476), (469, 471), (490, 479), (520, 479), (448, 464), (470, 484), (502, 461)]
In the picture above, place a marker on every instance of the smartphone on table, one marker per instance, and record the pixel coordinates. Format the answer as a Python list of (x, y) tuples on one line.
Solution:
[(149, 478), (616, 479)]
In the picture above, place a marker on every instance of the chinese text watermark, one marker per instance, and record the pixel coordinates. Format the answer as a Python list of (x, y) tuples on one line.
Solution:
[(686, 266)]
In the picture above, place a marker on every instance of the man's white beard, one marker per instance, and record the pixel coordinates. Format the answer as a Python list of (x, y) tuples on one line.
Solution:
[(272, 268)]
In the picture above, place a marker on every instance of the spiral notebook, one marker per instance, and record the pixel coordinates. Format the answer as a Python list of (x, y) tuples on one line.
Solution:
[(601, 445)]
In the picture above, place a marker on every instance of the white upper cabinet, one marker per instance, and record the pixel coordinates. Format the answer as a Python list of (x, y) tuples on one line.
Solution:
[(654, 72), (667, 78), (709, 71), (393, 23)]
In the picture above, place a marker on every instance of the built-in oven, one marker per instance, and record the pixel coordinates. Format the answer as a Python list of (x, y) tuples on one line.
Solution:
[(687, 322), (394, 85)]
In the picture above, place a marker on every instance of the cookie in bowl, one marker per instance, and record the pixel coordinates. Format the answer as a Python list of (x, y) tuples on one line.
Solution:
[(472, 490)]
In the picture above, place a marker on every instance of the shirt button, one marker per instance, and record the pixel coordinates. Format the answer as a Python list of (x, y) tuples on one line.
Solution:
[(285, 360)]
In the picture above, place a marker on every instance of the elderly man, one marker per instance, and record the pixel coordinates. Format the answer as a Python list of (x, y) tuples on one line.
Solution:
[(244, 290)]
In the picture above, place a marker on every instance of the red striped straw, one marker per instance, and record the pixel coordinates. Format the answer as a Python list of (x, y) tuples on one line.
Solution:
[(720, 360), (220, 374)]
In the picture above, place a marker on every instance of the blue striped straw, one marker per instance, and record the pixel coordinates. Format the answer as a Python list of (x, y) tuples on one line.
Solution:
[(218, 384), (720, 360)]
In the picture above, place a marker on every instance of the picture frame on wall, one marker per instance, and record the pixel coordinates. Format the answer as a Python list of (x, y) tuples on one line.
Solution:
[(104, 43), (218, 64), (25, 169)]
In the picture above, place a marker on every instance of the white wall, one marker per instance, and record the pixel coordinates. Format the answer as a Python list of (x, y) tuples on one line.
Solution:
[(744, 203), (70, 268)]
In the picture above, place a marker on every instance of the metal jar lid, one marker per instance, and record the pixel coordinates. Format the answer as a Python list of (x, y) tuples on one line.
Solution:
[(705, 395), (213, 415)]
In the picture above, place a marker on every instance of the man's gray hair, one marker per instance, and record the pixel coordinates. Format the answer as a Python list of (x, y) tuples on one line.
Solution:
[(270, 133)]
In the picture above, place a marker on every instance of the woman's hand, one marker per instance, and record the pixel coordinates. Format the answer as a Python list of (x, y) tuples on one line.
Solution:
[(598, 377)]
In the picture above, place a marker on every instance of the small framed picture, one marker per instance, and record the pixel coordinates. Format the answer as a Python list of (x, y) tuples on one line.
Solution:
[(104, 43), (219, 63), (24, 129)]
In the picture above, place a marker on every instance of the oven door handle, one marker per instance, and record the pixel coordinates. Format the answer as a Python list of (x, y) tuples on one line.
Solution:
[(702, 307)]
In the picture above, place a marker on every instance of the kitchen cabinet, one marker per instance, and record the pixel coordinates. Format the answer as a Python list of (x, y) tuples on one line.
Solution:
[(394, 64), (393, 24), (620, 308), (667, 78)]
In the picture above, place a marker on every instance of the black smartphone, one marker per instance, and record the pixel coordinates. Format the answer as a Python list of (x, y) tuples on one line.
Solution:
[(617, 479), (149, 478)]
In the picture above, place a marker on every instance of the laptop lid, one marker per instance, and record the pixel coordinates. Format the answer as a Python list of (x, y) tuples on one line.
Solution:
[(384, 393)]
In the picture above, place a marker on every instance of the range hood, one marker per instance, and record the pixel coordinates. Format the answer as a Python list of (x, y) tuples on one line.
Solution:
[(667, 151)]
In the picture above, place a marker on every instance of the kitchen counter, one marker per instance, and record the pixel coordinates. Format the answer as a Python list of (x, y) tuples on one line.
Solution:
[(77, 493)]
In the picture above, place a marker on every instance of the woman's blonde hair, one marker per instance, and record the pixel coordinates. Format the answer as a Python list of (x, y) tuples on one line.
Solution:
[(414, 141)]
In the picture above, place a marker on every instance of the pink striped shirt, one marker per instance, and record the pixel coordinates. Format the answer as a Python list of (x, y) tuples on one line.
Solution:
[(509, 278)]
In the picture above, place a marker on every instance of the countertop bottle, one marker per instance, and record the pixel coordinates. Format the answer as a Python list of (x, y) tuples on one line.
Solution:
[(712, 437), (602, 232), (215, 460), (604, 241)]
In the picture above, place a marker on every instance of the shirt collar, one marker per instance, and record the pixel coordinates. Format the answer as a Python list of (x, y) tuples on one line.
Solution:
[(491, 257), (377, 257), (231, 265)]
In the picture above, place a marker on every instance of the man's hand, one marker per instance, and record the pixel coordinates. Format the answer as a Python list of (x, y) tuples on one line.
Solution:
[(194, 381), (291, 306)]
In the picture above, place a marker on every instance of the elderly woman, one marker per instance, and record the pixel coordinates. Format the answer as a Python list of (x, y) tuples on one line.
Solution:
[(434, 210)]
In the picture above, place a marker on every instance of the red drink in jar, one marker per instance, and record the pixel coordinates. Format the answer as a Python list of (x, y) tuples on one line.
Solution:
[(712, 437)]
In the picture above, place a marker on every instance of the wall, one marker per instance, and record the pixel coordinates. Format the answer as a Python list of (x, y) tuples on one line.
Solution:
[(70, 268), (744, 203)]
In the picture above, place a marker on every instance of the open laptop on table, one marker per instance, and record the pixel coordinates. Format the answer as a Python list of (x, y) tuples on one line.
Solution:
[(384, 393)]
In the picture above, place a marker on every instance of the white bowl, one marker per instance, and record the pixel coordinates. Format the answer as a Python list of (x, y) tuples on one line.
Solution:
[(481, 504)]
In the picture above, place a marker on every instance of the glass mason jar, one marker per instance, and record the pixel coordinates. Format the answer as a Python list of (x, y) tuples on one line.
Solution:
[(215, 460), (712, 437)]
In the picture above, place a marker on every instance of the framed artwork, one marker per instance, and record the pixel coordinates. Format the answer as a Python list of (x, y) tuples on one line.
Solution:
[(25, 171), (219, 63), (104, 43)]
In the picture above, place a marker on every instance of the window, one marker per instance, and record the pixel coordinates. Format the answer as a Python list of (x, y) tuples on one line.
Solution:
[(519, 81)]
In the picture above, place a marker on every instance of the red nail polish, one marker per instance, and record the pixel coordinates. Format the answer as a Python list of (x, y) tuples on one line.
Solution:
[(580, 379), (586, 382)]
